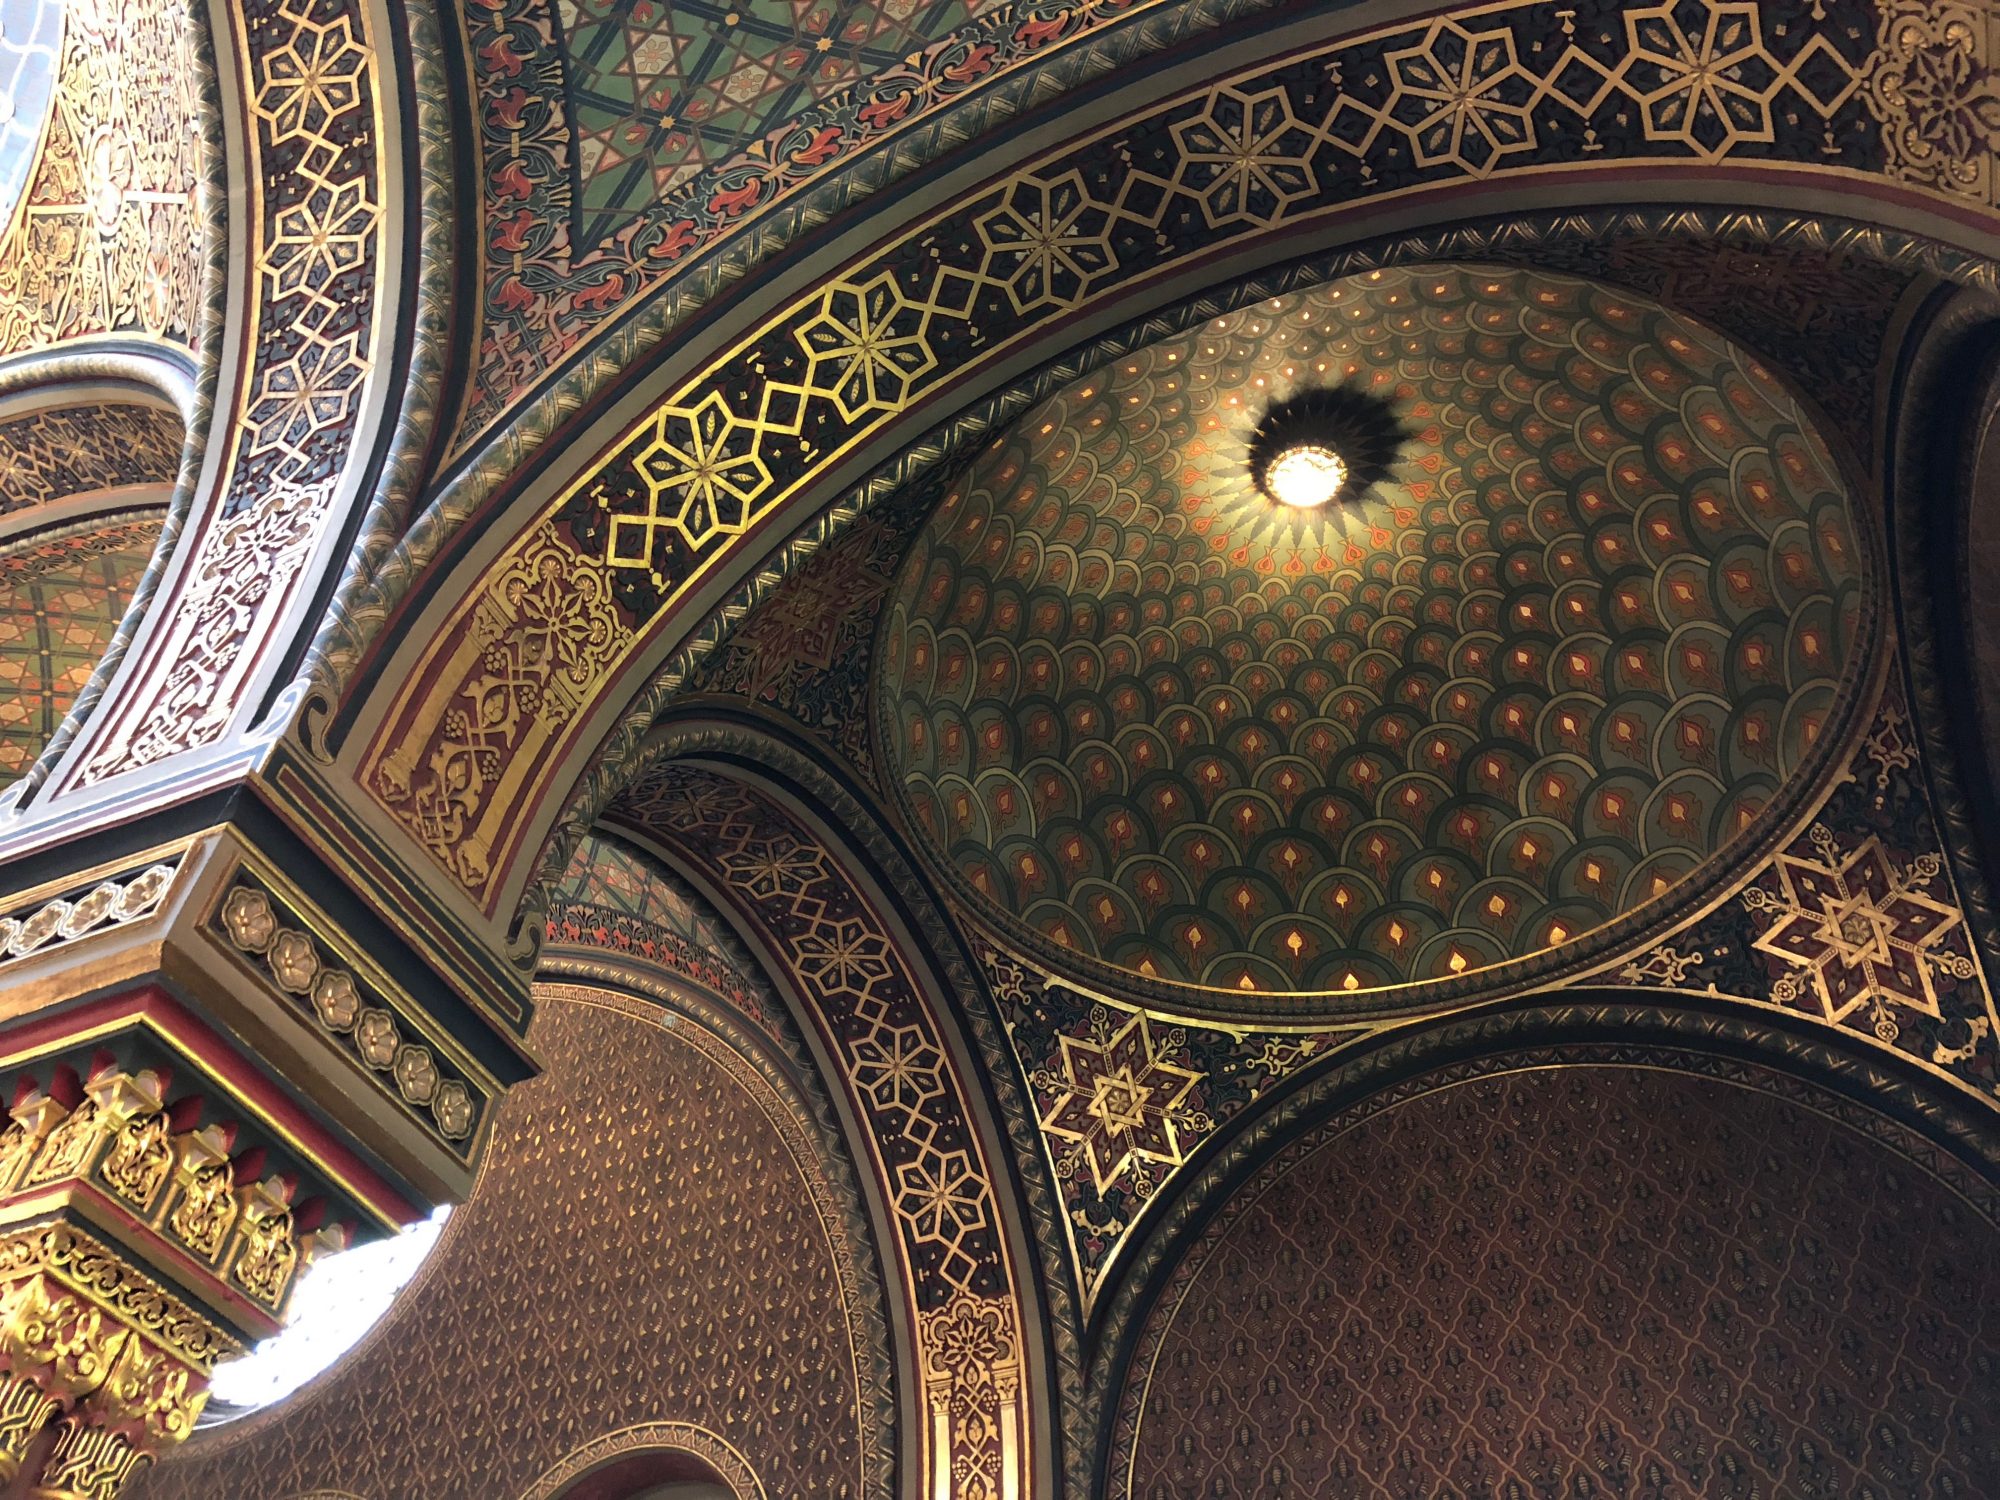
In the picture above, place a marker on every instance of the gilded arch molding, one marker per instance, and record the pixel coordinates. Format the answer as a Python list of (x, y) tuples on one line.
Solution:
[(636, 548), (1927, 498), (945, 1173), (301, 335), (646, 1439)]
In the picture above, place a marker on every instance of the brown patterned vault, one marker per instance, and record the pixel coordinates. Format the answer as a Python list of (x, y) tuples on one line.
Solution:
[(652, 1242), (1592, 1281)]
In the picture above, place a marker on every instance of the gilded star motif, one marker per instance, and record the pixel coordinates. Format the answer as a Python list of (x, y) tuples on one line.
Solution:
[(1858, 931), (1120, 1104)]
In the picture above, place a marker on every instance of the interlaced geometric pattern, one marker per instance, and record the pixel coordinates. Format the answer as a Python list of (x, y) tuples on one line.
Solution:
[(106, 238), (309, 74), (1579, 637), (615, 899), (61, 598), (1591, 1281), (1894, 86), (661, 93), (72, 450), (1856, 922), (1860, 930), (1124, 1097)]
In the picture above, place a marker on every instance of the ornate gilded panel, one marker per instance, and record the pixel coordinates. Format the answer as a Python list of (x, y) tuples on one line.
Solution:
[(312, 94), (1124, 1096), (107, 238)]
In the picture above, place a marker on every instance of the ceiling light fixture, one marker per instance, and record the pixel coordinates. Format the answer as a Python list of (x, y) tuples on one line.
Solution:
[(1304, 475), (1323, 444)]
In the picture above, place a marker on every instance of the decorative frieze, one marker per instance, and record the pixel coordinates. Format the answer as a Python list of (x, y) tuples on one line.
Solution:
[(125, 898), (365, 1022)]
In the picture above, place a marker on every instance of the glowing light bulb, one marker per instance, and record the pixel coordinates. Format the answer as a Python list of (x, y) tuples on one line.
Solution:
[(1305, 475)]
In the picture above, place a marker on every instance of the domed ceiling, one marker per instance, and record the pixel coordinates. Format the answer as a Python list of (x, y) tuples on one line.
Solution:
[(1571, 645)]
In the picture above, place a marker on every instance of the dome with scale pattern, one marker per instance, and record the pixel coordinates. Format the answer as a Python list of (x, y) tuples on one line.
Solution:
[(1580, 636)]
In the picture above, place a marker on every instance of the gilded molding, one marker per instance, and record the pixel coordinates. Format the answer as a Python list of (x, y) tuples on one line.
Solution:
[(180, 1182), (651, 1437), (315, 117), (88, 1268), (374, 1028), (873, 1010)]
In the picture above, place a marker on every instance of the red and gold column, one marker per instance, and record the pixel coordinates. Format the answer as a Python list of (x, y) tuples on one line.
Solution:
[(209, 1081)]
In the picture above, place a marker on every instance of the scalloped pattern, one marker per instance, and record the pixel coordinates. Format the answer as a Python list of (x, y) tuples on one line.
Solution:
[(1575, 644)]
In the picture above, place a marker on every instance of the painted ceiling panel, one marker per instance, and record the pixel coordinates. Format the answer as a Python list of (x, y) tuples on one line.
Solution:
[(61, 598), (624, 137), (1578, 1281), (660, 92)]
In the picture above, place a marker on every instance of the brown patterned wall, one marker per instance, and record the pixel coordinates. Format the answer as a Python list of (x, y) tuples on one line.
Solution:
[(1587, 1281), (650, 1241)]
